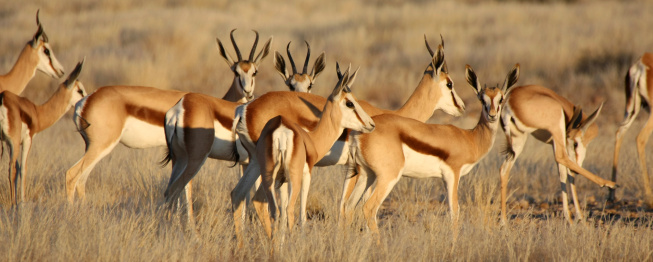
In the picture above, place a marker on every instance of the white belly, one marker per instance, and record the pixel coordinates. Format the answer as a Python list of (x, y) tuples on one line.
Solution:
[(223, 143), (337, 155), (140, 134), (419, 165)]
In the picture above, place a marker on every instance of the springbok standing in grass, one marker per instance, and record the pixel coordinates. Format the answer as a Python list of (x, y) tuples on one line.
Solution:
[(551, 119), (287, 153), (197, 119), (21, 120), (135, 115), (401, 146), (36, 55), (435, 91), (639, 90)]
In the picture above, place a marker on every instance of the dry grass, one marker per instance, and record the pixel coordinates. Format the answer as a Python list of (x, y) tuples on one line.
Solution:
[(580, 49)]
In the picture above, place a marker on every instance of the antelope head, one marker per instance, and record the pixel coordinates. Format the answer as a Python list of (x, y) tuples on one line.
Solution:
[(449, 102), (74, 86), (47, 62), (245, 70), (299, 82), (581, 132), (353, 116), (491, 97)]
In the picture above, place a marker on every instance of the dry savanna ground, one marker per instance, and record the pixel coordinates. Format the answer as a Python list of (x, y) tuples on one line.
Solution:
[(580, 49)]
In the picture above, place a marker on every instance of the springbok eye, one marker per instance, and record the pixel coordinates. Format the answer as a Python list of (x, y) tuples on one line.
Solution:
[(80, 92), (310, 86), (254, 74), (46, 51), (349, 104), (450, 85), (501, 101), (575, 144)]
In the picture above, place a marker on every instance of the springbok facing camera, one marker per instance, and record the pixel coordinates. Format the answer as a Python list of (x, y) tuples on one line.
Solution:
[(36, 55), (405, 147), (135, 115), (639, 88), (21, 120)]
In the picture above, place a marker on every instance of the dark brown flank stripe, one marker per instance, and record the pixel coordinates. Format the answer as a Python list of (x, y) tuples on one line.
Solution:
[(225, 120), (422, 147), (145, 114)]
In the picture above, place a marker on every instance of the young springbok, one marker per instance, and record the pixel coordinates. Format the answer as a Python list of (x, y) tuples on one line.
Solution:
[(287, 153), (21, 120), (551, 119), (435, 91), (405, 147), (135, 115), (36, 55), (639, 90)]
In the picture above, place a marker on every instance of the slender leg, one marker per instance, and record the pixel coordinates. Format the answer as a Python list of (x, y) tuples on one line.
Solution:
[(12, 174), (632, 110), (382, 187), (77, 175), (562, 171), (306, 183), (642, 140), (239, 193), (516, 141), (24, 152)]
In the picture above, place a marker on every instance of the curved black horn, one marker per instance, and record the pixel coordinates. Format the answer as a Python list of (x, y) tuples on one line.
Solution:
[(37, 17), (233, 42), (428, 46), (251, 53), (292, 62), (308, 55)]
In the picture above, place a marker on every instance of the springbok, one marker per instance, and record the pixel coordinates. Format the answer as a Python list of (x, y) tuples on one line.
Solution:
[(298, 82), (401, 146), (639, 89), (551, 119), (198, 118), (135, 115), (435, 91), (36, 55), (287, 153), (21, 120)]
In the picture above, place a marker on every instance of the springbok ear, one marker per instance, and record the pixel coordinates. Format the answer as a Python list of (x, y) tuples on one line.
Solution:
[(280, 65), (318, 67), (590, 119), (340, 86), (70, 81), (264, 52), (472, 79), (511, 79), (37, 37), (575, 120), (351, 80), (224, 53), (438, 61)]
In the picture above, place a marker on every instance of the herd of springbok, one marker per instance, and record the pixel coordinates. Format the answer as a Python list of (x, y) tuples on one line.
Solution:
[(278, 138)]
